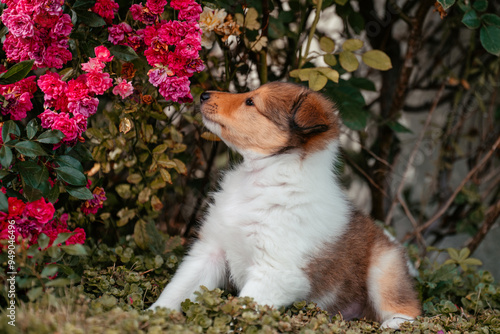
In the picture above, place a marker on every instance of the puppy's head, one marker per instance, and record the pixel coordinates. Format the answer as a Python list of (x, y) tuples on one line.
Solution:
[(274, 119)]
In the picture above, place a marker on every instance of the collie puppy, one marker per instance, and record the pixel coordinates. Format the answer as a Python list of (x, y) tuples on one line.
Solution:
[(280, 229)]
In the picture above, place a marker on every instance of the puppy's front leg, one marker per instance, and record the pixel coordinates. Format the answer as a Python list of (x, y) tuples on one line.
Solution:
[(276, 287), (205, 265)]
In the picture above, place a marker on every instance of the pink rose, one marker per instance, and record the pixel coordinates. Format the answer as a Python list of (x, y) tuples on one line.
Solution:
[(176, 89), (118, 33), (20, 25), (106, 9), (67, 126), (191, 13), (99, 82), (123, 88), (77, 88), (103, 54), (51, 85), (16, 207), (85, 107), (93, 65), (156, 6), (40, 210)]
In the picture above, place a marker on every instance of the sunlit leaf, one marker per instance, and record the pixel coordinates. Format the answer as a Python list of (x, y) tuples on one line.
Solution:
[(377, 60), (352, 44), (326, 44), (348, 61)]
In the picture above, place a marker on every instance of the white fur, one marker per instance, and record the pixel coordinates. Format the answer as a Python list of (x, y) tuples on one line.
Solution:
[(270, 215), (395, 321)]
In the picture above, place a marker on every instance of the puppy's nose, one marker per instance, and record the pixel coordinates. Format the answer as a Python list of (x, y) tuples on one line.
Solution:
[(204, 96)]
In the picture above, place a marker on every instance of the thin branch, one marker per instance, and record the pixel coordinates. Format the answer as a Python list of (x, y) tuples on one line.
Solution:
[(412, 219), (360, 170), (414, 153), (375, 156), (445, 207), (491, 217)]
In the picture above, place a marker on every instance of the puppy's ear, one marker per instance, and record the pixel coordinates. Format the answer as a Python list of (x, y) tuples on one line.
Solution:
[(308, 116)]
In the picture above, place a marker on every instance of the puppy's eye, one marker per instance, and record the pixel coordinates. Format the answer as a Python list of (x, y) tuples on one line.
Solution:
[(249, 102)]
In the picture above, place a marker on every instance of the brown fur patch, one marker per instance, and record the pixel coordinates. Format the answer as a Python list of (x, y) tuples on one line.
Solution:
[(283, 116), (343, 267)]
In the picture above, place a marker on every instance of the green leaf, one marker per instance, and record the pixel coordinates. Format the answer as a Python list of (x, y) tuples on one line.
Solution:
[(3, 173), (464, 253), (49, 270), (330, 73), (5, 156), (348, 61), (32, 128), (471, 20), (32, 194), (352, 44), (123, 52), (32, 173), (75, 249), (160, 148), (317, 81), (34, 293), (53, 194), (362, 83), (341, 2), (81, 152), (68, 161), (16, 72), (398, 127), (446, 3), (30, 149), (4, 203), (59, 282), (62, 237), (491, 19), (490, 39), (43, 240), (71, 176), (357, 22), (472, 262), (303, 73), (50, 137), (8, 128), (82, 193), (83, 4), (330, 59), (480, 5), (89, 18), (453, 253), (354, 117), (326, 44), (377, 60)]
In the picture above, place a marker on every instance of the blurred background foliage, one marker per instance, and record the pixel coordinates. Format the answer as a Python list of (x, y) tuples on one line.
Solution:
[(416, 83)]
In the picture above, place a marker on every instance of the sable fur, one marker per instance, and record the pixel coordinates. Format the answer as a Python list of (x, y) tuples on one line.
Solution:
[(280, 229)]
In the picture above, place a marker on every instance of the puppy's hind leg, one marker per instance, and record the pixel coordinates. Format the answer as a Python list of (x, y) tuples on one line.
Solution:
[(205, 265), (390, 288)]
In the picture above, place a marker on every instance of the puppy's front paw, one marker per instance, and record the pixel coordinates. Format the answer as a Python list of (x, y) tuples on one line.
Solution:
[(395, 321)]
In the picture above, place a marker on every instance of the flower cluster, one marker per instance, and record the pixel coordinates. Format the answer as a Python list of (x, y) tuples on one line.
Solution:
[(106, 9), (216, 21), (18, 98), (171, 47), (32, 219), (37, 30), (91, 206), (75, 99)]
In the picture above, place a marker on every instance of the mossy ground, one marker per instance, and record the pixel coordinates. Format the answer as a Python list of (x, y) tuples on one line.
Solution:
[(117, 285), (76, 313)]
